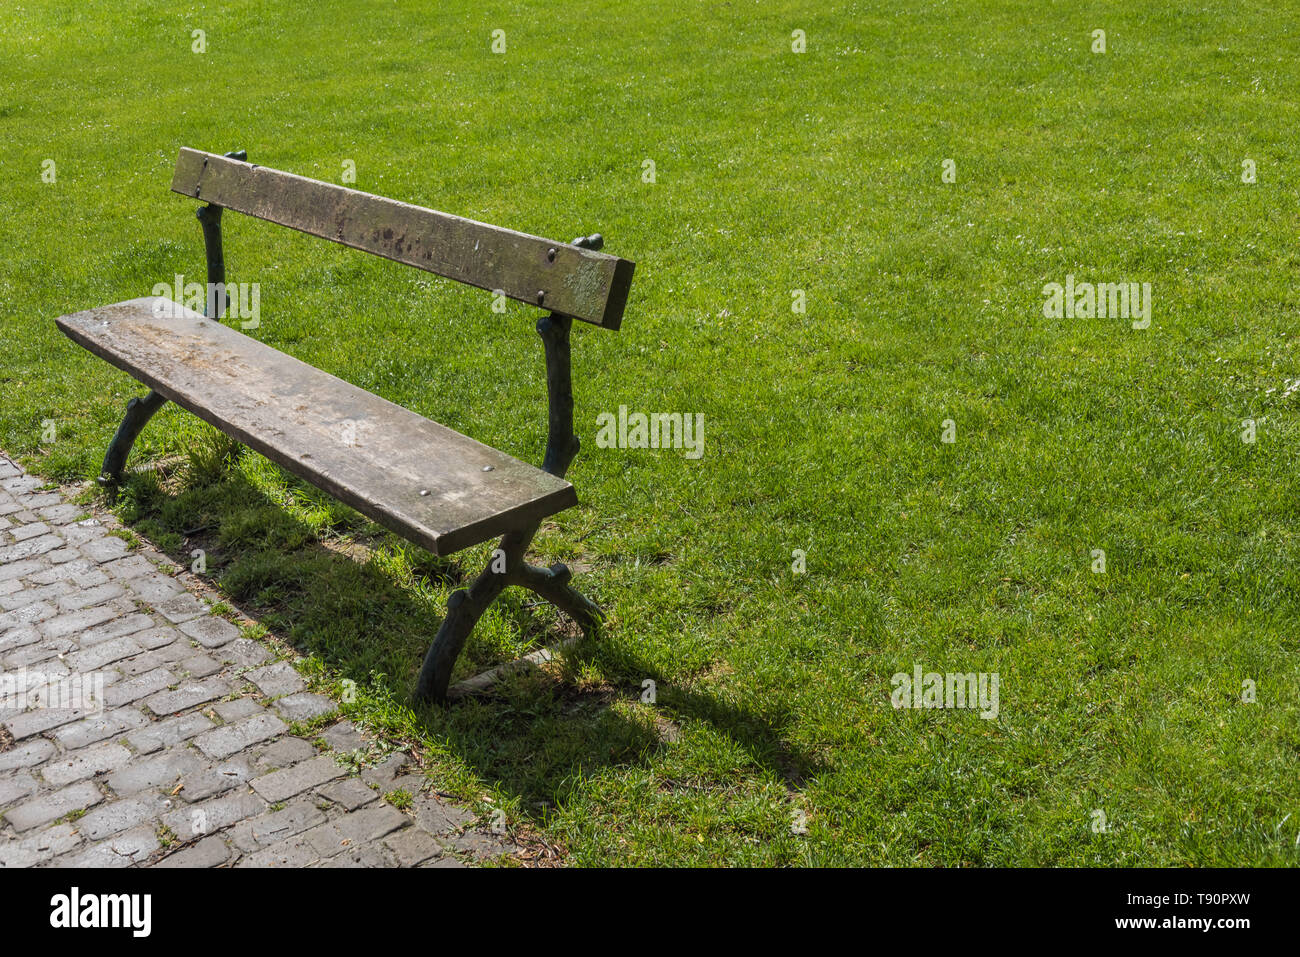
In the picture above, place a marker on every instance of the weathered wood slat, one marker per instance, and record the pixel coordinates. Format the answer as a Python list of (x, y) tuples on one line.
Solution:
[(576, 282), (418, 478)]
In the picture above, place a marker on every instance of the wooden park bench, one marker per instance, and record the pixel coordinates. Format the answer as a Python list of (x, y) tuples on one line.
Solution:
[(424, 481)]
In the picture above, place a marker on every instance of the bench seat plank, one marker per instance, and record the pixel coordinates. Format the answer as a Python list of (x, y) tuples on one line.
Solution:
[(300, 417)]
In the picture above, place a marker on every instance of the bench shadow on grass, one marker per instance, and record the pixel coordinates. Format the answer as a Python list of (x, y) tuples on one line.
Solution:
[(531, 734)]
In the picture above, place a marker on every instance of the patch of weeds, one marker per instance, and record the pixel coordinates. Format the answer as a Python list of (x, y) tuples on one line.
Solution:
[(309, 728), (133, 541), (162, 537), (208, 458)]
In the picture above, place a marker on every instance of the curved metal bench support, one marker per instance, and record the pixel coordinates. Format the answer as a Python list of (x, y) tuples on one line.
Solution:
[(139, 411), (553, 585), (466, 606)]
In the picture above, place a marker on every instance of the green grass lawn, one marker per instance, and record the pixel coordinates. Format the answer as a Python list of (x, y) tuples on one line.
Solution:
[(1120, 692)]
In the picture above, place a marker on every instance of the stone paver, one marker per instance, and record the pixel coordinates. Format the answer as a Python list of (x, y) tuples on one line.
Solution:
[(284, 784), (189, 760), (188, 695), (228, 739), (278, 679), (49, 807), (84, 763), (97, 727), (304, 706)]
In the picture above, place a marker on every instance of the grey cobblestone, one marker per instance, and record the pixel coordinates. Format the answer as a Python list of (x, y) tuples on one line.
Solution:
[(181, 608), (38, 500), (165, 734), (162, 770), (439, 818), (79, 573), (15, 787), (224, 741), (27, 615), (154, 638), (61, 514), (303, 706), (48, 649), (217, 778), (123, 850), (26, 754), (361, 827), (200, 666), (344, 737), (18, 636), (135, 688), (98, 727), (21, 569), (362, 855), (188, 695), (104, 549), (278, 679), (29, 596), (23, 532), (218, 814), (283, 784), (477, 844), (104, 653), (175, 772), (349, 794), (70, 623), (40, 720), (89, 597), (209, 852), (125, 625), (210, 631), (115, 816), (85, 763), (40, 847), (244, 653), (132, 566), (164, 657), (295, 852), (29, 548), (234, 710), (269, 829), (385, 773), (155, 587), (48, 807), (282, 753), (412, 846)]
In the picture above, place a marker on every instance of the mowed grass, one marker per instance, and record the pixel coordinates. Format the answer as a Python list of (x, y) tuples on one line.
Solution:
[(1120, 692)]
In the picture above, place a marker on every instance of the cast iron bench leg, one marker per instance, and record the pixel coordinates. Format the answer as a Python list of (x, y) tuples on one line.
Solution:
[(466, 606), (138, 413), (553, 585)]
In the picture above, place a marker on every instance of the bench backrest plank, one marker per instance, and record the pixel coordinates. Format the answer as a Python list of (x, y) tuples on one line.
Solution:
[(563, 278)]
